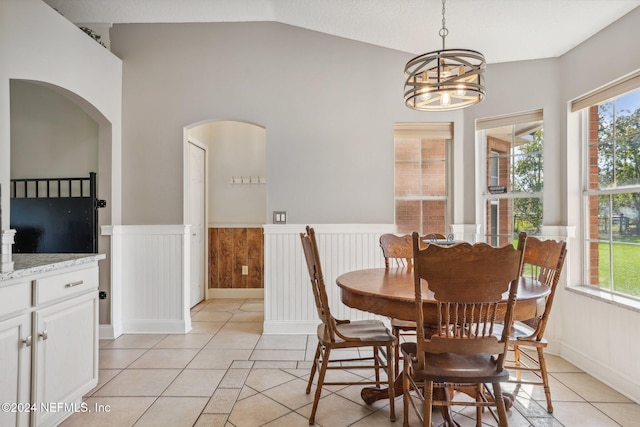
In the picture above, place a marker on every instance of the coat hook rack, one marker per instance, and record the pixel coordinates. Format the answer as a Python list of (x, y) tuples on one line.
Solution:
[(248, 179)]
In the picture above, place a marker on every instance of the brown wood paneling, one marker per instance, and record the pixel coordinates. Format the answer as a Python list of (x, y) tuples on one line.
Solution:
[(213, 258), (240, 257), (229, 250), (255, 249), (225, 258)]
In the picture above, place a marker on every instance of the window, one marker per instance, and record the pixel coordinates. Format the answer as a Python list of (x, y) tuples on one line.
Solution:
[(421, 180), (611, 193), (512, 197)]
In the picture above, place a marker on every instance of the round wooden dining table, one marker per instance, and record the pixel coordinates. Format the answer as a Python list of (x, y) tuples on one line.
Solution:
[(390, 292)]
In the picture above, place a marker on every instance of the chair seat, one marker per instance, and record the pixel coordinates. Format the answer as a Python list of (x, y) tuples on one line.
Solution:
[(519, 331), (407, 325), (455, 368), (371, 331)]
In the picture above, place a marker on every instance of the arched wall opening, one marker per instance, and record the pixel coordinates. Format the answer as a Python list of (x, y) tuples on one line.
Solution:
[(235, 206)]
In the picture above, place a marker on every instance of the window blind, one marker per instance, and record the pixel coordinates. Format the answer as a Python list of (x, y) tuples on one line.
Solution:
[(509, 119), (617, 88)]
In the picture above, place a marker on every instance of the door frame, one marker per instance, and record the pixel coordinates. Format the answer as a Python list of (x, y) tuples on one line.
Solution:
[(186, 202)]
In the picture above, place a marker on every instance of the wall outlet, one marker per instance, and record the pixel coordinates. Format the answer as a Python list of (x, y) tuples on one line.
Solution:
[(245, 270)]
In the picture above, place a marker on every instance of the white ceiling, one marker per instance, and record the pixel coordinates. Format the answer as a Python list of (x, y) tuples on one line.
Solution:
[(503, 30)]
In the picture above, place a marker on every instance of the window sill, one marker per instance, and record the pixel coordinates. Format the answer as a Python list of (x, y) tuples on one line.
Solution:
[(606, 297)]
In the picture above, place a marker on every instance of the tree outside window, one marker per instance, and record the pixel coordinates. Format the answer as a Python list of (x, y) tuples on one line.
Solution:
[(515, 181), (612, 195)]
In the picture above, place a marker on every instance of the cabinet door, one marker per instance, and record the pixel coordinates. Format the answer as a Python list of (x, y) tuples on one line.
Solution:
[(15, 384), (66, 356)]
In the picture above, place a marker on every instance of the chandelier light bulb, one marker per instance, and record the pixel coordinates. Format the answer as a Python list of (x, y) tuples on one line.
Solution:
[(445, 99)]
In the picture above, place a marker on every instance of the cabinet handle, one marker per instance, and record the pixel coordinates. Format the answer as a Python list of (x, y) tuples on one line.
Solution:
[(72, 284), (44, 335), (27, 341)]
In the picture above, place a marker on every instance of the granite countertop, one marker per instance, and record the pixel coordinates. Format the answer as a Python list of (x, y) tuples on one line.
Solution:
[(26, 264)]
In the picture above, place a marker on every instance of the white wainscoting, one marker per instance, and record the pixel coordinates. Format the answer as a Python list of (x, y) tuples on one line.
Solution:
[(149, 278), (288, 300)]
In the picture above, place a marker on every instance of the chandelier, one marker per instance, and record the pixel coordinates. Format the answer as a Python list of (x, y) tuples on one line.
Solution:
[(446, 79)]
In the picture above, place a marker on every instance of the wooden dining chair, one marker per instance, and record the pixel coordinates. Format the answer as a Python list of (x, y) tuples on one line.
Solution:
[(344, 334), (468, 283), (543, 260), (399, 250)]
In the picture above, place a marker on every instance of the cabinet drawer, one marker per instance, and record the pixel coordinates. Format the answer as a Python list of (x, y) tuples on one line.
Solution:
[(64, 285), (14, 298)]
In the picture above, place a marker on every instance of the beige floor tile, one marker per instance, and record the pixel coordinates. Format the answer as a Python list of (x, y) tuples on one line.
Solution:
[(135, 341), (247, 391), (217, 359), (249, 328), (115, 411), (211, 420), (102, 343), (104, 376), (195, 382), (282, 342), (205, 327), (139, 382), (626, 414), (275, 364), (242, 364), (253, 305), (290, 420), (184, 341), (336, 411), (165, 358), (222, 401), (211, 316), (292, 394), (256, 411), (247, 316), (263, 379), (558, 364), (236, 335), (277, 355), (581, 414), (173, 411), (118, 358), (225, 304), (235, 378), (589, 388)]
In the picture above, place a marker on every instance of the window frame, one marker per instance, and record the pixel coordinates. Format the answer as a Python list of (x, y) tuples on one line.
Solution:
[(482, 126), (583, 106)]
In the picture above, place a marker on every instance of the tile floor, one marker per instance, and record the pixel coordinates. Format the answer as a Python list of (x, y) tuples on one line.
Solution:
[(226, 373)]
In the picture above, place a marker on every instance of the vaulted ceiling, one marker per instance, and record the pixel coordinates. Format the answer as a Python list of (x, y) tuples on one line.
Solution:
[(503, 30)]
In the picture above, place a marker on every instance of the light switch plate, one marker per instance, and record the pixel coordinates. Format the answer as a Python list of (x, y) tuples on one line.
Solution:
[(279, 217)]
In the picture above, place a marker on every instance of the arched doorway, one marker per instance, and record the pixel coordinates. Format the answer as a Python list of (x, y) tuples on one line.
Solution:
[(235, 207)]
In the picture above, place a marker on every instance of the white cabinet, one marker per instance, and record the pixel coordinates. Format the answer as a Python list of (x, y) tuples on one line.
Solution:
[(52, 339), (15, 374)]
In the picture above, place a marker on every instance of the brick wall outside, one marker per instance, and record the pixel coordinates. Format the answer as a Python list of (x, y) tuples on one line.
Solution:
[(420, 170), (505, 224)]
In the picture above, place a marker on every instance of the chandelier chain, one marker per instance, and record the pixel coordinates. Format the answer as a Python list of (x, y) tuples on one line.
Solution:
[(443, 31)]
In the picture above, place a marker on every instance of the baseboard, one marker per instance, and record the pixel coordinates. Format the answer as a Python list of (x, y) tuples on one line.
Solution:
[(614, 379), (144, 326), (285, 327), (253, 293), (105, 332)]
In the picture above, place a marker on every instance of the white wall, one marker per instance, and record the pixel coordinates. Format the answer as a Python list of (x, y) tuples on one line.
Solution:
[(50, 135), (38, 44)]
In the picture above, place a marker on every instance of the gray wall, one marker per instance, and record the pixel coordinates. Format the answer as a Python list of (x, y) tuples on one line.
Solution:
[(328, 105), (51, 137)]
